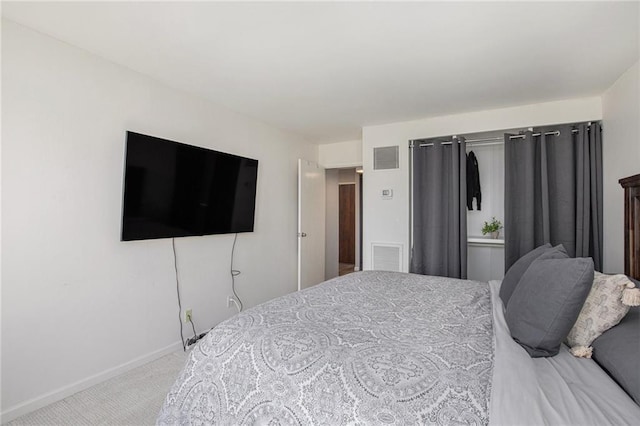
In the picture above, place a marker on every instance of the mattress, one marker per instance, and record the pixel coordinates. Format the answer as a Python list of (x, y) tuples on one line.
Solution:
[(386, 348)]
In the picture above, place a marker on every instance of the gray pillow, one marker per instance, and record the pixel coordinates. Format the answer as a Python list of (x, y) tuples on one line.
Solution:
[(517, 270), (546, 303), (618, 352)]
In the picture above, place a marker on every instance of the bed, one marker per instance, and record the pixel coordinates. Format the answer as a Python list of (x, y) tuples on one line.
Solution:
[(386, 348)]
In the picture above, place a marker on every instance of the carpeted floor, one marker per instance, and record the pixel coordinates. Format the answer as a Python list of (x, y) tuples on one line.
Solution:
[(345, 268), (133, 398)]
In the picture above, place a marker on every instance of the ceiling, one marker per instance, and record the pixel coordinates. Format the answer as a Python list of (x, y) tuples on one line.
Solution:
[(326, 69)]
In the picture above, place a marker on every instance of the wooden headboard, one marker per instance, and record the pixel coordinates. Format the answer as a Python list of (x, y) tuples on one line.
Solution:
[(631, 187)]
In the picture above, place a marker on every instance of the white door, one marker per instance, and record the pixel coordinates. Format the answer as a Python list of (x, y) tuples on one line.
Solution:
[(311, 223)]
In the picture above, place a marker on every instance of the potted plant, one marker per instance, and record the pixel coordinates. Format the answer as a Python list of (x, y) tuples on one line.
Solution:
[(493, 228)]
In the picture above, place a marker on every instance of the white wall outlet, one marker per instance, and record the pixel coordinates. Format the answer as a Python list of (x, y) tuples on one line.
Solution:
[(187, 315), (230, 301)]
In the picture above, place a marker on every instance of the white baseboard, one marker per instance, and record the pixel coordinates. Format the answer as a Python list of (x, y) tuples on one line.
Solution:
[(66, 391)]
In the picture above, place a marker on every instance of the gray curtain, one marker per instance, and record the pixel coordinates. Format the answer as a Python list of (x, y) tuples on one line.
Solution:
[(440, 209), (553, 192)]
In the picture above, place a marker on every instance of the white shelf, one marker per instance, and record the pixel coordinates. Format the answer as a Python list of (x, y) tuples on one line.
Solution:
[(485, 241)]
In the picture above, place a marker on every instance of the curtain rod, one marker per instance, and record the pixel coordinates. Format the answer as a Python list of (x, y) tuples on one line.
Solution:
[(496, 140)]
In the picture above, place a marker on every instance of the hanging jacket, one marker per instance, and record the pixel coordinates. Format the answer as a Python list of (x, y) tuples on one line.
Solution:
[(473, 181)]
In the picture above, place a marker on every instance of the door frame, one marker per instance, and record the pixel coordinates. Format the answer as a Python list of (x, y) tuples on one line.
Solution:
[(359, 182)]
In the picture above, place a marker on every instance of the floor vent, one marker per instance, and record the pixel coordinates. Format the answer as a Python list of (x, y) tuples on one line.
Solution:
[(387, 257), (386, 157)]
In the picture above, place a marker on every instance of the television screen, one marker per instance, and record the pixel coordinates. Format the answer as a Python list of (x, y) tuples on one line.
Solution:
[(177, 190)]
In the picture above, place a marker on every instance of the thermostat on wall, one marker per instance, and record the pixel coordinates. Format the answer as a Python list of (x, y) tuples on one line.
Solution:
[(387, 194)]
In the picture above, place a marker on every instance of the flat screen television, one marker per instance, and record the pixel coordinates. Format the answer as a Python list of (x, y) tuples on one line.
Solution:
[(176, 190)]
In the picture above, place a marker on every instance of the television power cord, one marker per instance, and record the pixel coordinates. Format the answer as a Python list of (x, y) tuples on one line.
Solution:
[(175, 267), (234, 273), (196, 336)]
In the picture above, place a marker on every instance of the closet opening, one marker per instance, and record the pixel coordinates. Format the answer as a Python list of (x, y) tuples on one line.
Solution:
[(485, 255), (523, 187)]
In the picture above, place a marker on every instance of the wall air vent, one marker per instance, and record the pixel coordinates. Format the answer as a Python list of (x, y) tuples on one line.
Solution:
[(387, 257), (386, 157)]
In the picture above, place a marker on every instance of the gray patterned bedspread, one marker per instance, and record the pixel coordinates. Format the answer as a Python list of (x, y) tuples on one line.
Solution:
[(366, 348)]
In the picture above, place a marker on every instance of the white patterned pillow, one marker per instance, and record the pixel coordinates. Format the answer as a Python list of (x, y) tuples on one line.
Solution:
[(605, 307)]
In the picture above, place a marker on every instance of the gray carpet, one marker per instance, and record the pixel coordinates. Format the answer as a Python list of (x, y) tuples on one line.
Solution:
[(133, 398)]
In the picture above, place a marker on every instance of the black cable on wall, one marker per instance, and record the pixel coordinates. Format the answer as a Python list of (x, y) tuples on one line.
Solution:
[(175, 267), (234, 274)]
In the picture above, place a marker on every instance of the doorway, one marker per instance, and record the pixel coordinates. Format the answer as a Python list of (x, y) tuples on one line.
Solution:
[(343, 222), (346, 228)]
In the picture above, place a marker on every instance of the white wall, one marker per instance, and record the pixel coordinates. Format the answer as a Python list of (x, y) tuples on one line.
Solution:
[(387, 221), (620, 157), (340, 154), (78, 305)]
